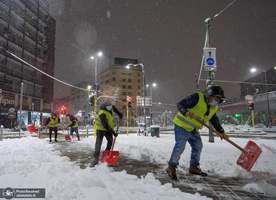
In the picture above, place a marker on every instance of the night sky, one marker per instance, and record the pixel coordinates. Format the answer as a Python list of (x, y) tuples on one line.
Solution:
[(167, 36)]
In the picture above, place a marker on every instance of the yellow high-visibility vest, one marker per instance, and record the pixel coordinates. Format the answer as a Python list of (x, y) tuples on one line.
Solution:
[(110, 119), (199, 110)]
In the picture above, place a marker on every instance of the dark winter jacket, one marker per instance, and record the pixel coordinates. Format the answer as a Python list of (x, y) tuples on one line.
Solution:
[(190, 102), (73, 122)]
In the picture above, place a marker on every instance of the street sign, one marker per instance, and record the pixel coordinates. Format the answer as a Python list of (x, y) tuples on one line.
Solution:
[(141, 101), (210, 63)]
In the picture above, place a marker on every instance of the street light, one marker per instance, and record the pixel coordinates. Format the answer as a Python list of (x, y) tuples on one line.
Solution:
[(89, 87), (254, 70), (151, 85), (100, 54), (93, 57), (128, 66)]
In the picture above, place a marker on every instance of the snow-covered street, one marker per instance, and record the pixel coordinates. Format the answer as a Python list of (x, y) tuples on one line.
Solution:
[(32, 162)]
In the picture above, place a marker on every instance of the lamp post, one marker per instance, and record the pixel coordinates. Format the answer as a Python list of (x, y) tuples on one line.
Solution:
[(98, 55), (95, 58), (254, 70), (144, 91), (151, 86)]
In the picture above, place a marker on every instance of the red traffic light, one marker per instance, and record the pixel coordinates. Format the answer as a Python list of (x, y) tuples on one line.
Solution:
[(62, 109)]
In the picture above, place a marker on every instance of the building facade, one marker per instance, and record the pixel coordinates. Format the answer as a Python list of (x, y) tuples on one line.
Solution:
[(126, 82), (28, 31)]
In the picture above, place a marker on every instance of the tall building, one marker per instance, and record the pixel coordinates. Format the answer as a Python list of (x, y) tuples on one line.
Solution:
[(127, 81), (28, 31)]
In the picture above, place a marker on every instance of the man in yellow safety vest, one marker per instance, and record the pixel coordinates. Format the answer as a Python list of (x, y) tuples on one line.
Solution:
[(105, 128), (53, 123), (199, 105)]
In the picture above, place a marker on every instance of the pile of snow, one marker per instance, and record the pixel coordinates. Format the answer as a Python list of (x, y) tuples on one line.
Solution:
[(32, 163)]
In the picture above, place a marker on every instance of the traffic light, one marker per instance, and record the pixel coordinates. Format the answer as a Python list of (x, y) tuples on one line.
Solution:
[(62, 109), (237, 116), (129, 101), (251, 106)]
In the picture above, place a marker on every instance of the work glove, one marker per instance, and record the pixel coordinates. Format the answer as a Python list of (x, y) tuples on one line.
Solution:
[(190, 114), (223, 136)]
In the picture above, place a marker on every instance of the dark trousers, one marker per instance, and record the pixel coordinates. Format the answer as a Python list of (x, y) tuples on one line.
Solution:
[(55, 130), (76, 130), (99, 141)]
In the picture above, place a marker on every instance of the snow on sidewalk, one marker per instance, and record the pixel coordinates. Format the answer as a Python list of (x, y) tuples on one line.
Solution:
[(33, 163), (218, 158)]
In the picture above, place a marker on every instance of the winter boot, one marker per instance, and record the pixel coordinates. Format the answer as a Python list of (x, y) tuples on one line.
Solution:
[(94, 163), (78, 138), (171, 171), (197, 171)]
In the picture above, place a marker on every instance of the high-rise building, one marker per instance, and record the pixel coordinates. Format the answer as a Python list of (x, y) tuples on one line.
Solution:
[(28, 31), (127, 81)]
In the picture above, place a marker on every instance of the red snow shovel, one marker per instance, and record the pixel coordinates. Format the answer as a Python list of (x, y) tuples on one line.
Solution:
[(249, 155), (110, 157)]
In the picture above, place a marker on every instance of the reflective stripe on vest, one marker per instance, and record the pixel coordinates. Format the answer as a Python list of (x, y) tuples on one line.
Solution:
[(199, 110), (109, 117)]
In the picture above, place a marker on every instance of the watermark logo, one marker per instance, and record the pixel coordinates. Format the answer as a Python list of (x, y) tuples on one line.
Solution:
[(7, 193), (27, 193)]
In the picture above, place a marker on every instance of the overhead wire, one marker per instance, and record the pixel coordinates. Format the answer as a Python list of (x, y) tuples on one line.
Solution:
[(44, 73), (241, 82)]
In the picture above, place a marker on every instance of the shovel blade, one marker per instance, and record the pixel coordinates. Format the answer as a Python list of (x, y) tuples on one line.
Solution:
[(67, 138), (110, 157), (248, 159)]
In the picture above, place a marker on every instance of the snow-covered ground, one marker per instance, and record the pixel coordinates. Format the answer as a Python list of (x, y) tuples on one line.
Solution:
[(32, 163), (217, 158)]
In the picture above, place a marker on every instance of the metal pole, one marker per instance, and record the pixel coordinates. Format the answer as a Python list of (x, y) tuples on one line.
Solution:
[(267, 101), (144, 96), (96, 95), (151, 104), (96, 71), (211, 74), (21, 104)]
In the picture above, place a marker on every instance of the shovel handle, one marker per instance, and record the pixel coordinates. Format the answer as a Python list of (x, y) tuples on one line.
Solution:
[(227, 139), (113, 143)]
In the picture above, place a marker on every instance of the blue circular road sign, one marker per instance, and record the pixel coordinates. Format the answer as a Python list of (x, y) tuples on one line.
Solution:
[(210, 61)]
